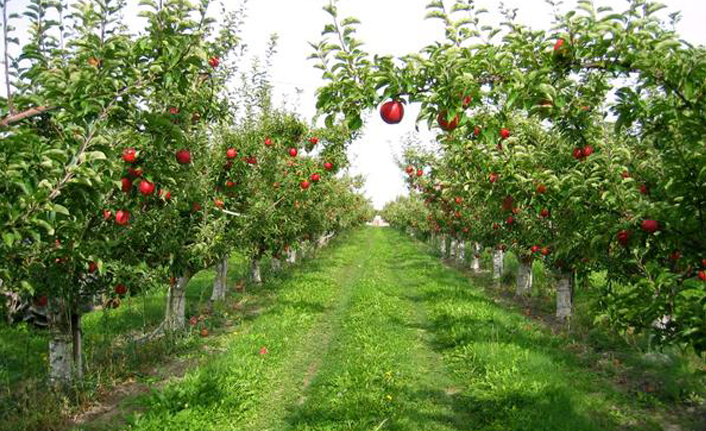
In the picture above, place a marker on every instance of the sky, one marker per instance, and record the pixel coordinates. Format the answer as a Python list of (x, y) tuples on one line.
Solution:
[(392, 27)]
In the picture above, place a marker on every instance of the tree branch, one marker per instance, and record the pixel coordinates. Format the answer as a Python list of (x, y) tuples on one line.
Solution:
[(14, 118)]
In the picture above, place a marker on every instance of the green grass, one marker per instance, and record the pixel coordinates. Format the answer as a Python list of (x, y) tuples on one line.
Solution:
[(377, 334), (110, 356)]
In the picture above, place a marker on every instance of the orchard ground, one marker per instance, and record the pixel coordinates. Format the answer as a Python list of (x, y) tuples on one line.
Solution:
[(373, 332)]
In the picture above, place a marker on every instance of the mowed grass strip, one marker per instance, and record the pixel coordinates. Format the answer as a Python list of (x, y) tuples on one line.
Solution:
[(246, 384), (511, 373), (380, 373)]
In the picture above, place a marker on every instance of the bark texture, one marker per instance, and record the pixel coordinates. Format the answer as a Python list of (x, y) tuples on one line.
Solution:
[(220, 282), (475, 265), (564, 295), (498, 256), (175, 315), (255, 275), (524, 278)]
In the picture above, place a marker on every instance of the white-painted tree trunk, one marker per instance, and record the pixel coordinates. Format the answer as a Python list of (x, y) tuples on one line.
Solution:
[(447, 247), (442, 244), (220, 282), (60, 358), (65, 346), (291, 256), (276, 264), (461, 253), (475, 264), (498, 256), (524, 278), (452, 249), (255, 275), (564, 295), (175, 315)]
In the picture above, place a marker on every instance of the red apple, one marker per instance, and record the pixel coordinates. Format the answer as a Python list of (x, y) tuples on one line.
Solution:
[(587, 150), (214, 62), (650, 226), (122, 217), (544, 213), (42, 301), (541, 189), (173, 110), (129, 155), (496, 226), (545, 251), (293, 152), (510, 220), (219, 203), (494, 177), (535, 248), (623, 237), (203, 332), (126, 184), (314, 140), (420, 172), (458, 200), (643, 189), (230, 184), (675, 255), (505, 133), (120, 289), (392, 112), (446, 125), (305, 184), (625, 174), (92, 267), (578, 153), (196, 207), (409, 170), (135, 173), (146, 188), (183, 157), (315, 178), (268, 142), (476, 131), (252, 160), (558, 45), (328, 166), (467, 101), (702, 275), (107, 214), (231, 153)]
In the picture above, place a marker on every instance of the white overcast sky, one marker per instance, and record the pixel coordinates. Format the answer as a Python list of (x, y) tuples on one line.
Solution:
[(394, 27)]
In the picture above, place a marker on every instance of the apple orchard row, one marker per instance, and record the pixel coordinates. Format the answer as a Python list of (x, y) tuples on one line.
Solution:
[(581, 145)]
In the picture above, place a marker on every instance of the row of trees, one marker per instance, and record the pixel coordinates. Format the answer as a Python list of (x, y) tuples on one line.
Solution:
[(581, 145), (123, 151)]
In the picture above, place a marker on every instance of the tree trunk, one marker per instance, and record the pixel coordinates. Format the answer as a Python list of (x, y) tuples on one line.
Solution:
[(524, 278), (452, 251), (475, 265), (61, 355), (175, 315), (461, 252), (276, 264), (447, 247), (498, 256), (255, 275), (77, 335), (564, 295), (291, 256), (220, 282)]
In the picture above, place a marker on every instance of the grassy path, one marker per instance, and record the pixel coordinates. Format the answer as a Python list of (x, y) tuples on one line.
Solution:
[(377, 335)]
